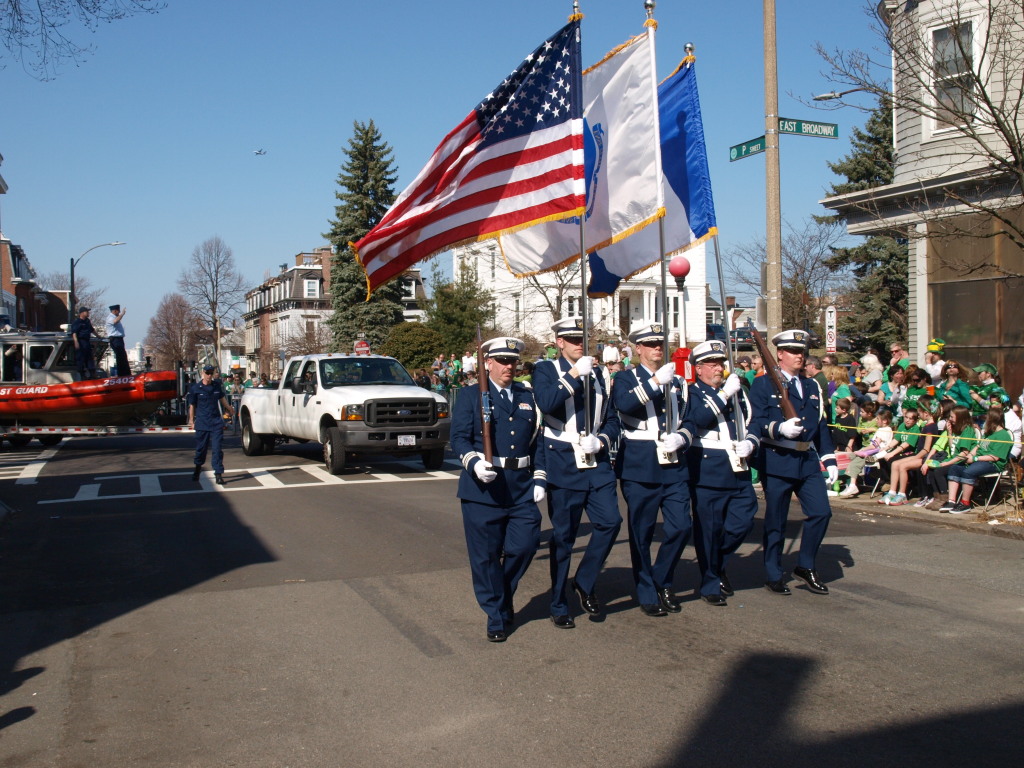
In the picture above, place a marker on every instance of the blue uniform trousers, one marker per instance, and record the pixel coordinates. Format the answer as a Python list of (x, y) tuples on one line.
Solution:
[(565, 508), (778, 492), (501, 542), (83, 360), (722, 519), (210, 439), (643, 501)]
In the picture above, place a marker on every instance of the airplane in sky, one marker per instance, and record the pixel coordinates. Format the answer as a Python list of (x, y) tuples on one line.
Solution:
[(259, 151)]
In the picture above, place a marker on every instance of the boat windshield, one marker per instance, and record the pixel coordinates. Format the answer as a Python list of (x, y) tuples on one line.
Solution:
[(347, 372)]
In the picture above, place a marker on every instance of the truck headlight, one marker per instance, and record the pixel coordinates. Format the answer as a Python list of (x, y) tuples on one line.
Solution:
[(441, 410), (352, 412)]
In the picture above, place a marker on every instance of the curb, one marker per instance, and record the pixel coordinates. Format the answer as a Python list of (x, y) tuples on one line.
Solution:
[(909, 512)]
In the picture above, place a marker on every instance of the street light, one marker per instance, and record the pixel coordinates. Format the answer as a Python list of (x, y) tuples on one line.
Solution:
[(833, 95), (71, 292)]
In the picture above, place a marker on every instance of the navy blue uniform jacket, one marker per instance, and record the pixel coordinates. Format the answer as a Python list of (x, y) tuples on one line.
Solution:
[(512, 437), (558, 396), (711, 467), (811, 408), (205, 397), (638, 459)]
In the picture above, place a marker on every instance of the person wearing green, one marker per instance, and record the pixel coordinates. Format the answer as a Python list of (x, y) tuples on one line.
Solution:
[(951, 449), (838, 375), (987, 457), (987, 388), (917, 388), (953, 387), (903, 445)]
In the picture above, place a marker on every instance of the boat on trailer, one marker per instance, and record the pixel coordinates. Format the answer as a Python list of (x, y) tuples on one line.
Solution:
[(40, 386)]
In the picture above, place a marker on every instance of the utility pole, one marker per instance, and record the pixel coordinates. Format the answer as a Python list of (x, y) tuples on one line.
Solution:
[(773, 204)]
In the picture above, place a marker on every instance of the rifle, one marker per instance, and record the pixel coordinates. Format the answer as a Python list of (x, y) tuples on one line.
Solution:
[(485, 397), (771, 370)]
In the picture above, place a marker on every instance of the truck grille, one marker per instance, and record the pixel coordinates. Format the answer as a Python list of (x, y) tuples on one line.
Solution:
[(391, 413)]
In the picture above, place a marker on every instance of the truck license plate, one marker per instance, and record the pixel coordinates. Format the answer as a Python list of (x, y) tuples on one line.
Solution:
[(407, 439)]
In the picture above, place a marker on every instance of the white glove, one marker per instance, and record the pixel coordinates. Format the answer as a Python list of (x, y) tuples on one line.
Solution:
[(732, 386), (666, 373), (833, 475), (744, 448), (673, 441), (590, 443), (539, 494), (484, 471), (585, 365), (791, 428)]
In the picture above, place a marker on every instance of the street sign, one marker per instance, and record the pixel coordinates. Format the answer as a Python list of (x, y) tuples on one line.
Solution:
[(809, 128), (362, 347), (746, 149), (830, 328)]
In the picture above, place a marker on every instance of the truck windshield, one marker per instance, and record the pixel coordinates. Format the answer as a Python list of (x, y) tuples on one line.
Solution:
[(347, 372)]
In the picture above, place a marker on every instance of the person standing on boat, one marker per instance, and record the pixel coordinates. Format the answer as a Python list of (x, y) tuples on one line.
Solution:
[(204, 416), (82, 333), (115, 332)]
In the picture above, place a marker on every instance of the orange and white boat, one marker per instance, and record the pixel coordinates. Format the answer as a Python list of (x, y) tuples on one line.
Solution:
[(40, 386)]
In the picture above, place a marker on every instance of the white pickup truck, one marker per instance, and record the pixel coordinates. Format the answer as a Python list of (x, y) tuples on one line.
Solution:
[(351, 404)]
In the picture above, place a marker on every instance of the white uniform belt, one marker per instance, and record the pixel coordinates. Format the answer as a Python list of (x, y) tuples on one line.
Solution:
[(793, 445), (637, 434), (522, 462), (560, 435)]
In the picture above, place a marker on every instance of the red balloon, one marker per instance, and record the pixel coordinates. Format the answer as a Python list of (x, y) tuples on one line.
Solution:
[(679, 266)]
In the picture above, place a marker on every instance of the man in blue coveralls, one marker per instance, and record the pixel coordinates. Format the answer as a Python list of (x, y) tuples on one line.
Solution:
[(650, 405), (499, 497), (723, 494), (577, 466), (81, 334), (205, 417), (789, 461)]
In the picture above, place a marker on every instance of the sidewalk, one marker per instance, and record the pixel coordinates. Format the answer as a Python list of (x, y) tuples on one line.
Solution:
[(974, 521)]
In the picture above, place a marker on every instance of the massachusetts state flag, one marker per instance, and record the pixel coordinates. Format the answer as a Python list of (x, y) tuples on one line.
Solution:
[(515, 161), (689, 206), (620, 137)]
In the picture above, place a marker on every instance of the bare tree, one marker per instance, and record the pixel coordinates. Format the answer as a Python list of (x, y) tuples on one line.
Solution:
[(316, 338), (808, 283), (212, 286), (87, 295), (960, 70), (174, 331), (39, 33)]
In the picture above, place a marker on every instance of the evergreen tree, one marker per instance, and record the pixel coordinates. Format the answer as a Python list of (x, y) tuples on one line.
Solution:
[(879, 264), (457, 308), (367, 181)]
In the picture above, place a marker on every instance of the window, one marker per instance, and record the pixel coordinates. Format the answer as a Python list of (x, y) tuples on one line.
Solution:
[(952, 60), (572, 307), (312, 289)]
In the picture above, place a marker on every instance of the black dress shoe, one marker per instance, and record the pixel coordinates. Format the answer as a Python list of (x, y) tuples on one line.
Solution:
[(778, 587), (563, 622), (655, 609), (218, 479), (810, 577), (496, 636), (668, 601), (724, 585), (196, 471), (714, 599), (588, 602)]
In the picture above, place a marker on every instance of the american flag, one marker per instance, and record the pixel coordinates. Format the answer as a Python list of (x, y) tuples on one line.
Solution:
[(514, 161)]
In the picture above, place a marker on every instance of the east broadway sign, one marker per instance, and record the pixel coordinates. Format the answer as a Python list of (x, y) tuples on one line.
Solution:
[(808, 128)]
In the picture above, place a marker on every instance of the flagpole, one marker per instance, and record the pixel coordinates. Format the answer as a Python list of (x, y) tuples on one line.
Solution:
[(652, 25), (584, 309)]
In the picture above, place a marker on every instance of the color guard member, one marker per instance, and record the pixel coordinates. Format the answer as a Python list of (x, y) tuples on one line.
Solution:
[(653, 471), (723, 494), (499, 497), (578, 471), (789, 462)]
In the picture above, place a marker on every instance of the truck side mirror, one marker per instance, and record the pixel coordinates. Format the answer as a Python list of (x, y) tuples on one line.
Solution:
[(298, 386)]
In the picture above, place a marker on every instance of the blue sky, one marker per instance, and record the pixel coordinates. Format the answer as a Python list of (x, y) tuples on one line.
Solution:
[(150, 139)]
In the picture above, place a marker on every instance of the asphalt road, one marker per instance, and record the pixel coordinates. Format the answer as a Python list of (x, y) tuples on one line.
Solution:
[(292, 619)]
